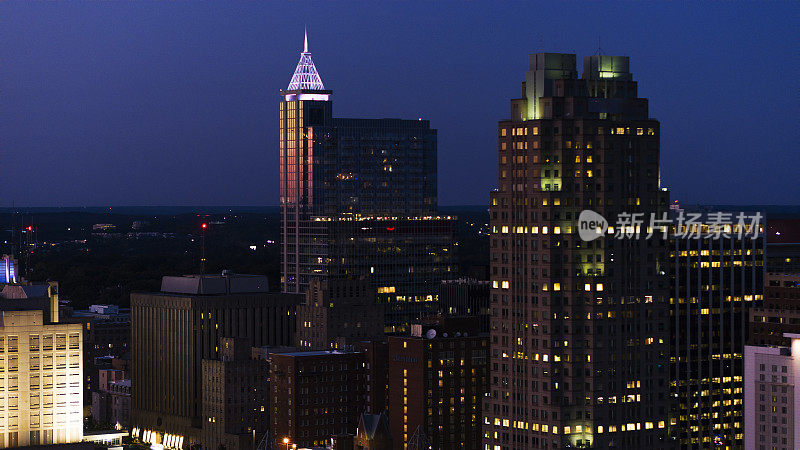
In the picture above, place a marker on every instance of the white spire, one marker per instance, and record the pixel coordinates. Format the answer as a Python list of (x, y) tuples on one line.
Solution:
[(305, 75)]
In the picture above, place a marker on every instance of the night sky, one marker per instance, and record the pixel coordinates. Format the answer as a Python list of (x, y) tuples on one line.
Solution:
[(176, 103)]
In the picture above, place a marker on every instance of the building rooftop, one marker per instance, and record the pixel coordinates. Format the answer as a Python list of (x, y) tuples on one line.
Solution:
[(315, 353), (225, 283), (24, 291), (124, 383)]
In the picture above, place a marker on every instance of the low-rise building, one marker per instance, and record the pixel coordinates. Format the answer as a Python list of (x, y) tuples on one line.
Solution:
[(106, 335), (235, 398), (120, 392), (102, 399)]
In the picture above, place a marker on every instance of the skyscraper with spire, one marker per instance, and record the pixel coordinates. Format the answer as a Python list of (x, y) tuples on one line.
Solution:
[(358, 197)]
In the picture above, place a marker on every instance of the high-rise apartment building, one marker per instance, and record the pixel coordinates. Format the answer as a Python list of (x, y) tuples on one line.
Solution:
[(359, 198), (771, 397), (579, 329), (438, 376), (337, 312), (715, 283), (174, 330)]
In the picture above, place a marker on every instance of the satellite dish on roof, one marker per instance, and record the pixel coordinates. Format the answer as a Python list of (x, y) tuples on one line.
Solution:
[(430, 334)]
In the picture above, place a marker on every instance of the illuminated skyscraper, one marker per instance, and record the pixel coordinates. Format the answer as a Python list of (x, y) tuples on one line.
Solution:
[(715, 284), (579, 329), (358, 198)]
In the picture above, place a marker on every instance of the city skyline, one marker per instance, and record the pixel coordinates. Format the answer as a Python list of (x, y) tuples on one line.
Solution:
[(458, 226), (208, 89)]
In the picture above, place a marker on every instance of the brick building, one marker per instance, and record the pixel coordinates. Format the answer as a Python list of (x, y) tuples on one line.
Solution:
[(235, 397), (316, 395), (780, 313), (438, 376), (338, 311)]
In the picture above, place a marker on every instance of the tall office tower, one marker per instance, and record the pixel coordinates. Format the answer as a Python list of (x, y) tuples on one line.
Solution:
[(42, 379), (175, 329), (579, 328), (358, 198), (338, 312), (438, 376), (235, 397), (771, 396), (714, 284), (780, 313)]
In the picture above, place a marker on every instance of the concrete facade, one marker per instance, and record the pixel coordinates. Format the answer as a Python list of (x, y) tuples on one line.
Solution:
[(41, 372), (174, 332), (771, 398)]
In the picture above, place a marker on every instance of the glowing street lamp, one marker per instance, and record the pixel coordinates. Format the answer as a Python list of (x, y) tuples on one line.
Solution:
[(286, 442)]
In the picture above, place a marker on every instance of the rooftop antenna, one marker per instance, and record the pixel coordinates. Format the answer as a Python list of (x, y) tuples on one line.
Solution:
[(203, 228), (305, 40), (599, 46)]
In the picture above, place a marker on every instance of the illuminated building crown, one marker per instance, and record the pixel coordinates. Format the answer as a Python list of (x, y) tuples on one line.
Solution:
[(305, 75)]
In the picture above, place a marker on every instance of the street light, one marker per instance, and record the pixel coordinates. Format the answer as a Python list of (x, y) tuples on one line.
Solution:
[(286, 442)]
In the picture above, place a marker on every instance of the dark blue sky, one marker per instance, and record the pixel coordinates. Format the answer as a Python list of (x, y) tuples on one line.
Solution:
[(173, 103)]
